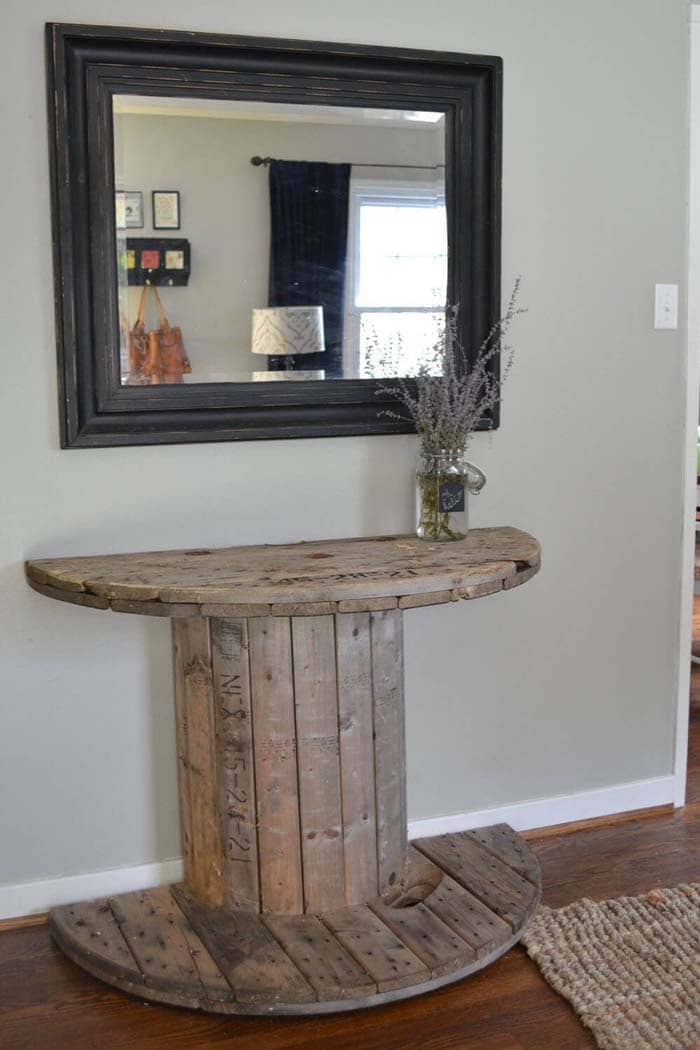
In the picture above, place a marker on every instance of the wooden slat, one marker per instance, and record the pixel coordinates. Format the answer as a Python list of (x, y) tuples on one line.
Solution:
[(234, 610), (415, 601), (386, 631), (153, 608), (272, 690), (480, 590), (304, 609), (504, 843), (180, 648), (316, 700), (421, 930), (501, 889), (520, 577), (166, 948), (329, 968), (74, 596), (466, 915), (193, 662), (236, 765), (254, 964), (355, 721), (376, 948), (352, 605), (90, 933)]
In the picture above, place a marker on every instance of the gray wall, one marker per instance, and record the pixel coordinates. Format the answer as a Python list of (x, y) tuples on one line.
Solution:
[(564, 685)]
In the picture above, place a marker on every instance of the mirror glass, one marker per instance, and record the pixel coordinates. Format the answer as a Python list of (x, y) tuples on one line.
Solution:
[(265, 242)]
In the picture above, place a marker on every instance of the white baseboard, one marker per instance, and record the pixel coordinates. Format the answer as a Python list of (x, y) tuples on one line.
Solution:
[(29, 898), (560, 809)]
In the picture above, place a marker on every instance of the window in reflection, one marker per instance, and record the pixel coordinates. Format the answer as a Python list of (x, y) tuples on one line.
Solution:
[(397, 278)]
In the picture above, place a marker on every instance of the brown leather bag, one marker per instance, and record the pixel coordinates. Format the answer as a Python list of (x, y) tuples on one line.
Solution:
[(166, 360), (138, 344)]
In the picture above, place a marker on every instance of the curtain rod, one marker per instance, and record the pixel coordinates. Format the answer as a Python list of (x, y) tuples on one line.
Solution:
[(258, 162)]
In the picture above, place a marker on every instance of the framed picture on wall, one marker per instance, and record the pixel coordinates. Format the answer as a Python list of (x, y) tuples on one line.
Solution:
[(166, 210), (129, 209)]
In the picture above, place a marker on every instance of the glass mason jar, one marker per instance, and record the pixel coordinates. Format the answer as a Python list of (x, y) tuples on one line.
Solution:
[(443, 483)]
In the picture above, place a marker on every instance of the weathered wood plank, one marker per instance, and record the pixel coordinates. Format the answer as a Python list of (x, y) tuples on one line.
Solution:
[(89, 932), (520, 577), (504, 843), (249, 580), (74, 596), (254, 964), (154, 608), (167, 950), (386, 633), (353, 605), (180, 635), (193, 663), (232, 611), (316, 702), (236, 761), (52, 576), (501, 889), (480, 590), (315, 951), (467, 916), (415, 601), (272, 690), (427, 936), (303, 609), (356, 729), (376, 948)]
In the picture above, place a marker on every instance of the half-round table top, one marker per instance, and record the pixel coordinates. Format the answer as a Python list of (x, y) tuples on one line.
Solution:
[(311, 578)]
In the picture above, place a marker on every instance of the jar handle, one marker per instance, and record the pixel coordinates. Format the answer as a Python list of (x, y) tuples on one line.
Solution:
[(476, 479)]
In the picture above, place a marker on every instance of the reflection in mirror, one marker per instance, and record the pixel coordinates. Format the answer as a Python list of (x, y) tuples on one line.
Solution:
[(285, 241)]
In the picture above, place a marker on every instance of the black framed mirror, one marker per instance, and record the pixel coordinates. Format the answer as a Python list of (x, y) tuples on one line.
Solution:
[(291, 219)]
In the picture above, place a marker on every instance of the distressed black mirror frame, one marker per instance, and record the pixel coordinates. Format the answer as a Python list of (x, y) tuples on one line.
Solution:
[(87, 65)]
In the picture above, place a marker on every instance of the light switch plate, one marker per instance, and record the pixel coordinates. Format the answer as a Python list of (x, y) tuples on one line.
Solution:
[(666, 306)]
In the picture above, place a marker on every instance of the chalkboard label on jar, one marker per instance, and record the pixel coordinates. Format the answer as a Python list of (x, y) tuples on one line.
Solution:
[(451, 496)]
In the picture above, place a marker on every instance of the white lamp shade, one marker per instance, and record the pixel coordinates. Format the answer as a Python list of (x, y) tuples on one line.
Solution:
[(289, 330)]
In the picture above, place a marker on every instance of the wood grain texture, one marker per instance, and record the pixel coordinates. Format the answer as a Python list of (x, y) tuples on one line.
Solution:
[(316, 952), (489, 879), (386, 634), (256, 967), (505, 844), (356, 731), (466, 915), (376, 948), (364, 570), (318, 761), (272, 691), (199, 782), (180, 647), (166, 948), (90, 931), (428, 937), (235, 762)]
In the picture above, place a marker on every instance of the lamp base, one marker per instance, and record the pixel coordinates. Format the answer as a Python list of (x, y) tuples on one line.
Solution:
[(298, 376)]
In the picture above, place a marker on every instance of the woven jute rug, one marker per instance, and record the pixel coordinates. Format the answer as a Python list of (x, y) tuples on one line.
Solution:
[(630, 967)]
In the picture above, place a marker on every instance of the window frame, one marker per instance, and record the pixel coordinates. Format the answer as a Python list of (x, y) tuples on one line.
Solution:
[(371, 191)]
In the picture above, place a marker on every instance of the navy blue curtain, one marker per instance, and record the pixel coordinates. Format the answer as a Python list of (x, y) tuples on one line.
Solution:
[(308, 248)]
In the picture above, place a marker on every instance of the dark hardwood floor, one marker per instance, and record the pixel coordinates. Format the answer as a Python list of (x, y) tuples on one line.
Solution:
[(48, 1003)]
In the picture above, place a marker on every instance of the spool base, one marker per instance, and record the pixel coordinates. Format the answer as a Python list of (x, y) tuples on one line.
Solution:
[(465, 901)]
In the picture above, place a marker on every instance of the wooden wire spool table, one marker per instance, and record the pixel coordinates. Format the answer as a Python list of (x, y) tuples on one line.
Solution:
[(301, 893)]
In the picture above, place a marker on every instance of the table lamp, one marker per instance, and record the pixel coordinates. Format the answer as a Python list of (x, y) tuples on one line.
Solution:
[(288, 331)]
